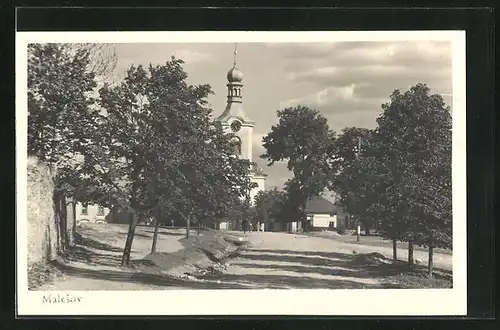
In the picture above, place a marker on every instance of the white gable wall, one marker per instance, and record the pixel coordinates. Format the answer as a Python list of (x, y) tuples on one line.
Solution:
[(323, 220), (92, 213)]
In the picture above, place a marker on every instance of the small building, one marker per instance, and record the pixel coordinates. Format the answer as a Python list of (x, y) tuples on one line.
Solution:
[(90, 212), (321, 214)]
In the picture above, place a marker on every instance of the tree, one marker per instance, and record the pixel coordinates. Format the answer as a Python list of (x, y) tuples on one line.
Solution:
[(414, 141), (302, 138), (60, 117), (172, 160), (270, 206), (351, 181)]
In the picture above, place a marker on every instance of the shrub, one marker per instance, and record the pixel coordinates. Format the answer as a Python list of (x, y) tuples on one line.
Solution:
[(341, 230)]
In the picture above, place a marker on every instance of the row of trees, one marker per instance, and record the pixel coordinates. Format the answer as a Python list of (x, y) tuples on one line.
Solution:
[(396, 177), (145, 145), (400, 178)]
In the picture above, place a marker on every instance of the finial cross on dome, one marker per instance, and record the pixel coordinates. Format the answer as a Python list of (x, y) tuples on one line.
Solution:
[(235, 53)]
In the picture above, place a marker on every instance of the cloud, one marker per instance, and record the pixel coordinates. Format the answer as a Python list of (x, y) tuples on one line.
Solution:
[(346, 81), (337, 100), (388, 65), (278, 173), (191, 57), (258, 148), (349, 81)]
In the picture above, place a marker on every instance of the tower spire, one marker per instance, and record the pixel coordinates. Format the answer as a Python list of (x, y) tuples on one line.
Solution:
[(235, 53)]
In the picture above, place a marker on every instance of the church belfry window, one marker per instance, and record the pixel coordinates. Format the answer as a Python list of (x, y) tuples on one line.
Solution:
[(236, 145)]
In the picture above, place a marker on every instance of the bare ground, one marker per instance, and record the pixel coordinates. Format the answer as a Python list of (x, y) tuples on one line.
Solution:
[(283, 261), (273, 261)]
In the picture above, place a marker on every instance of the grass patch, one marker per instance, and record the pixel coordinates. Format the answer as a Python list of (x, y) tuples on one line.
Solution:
[(397, 274), (419, 280), (43, 273)]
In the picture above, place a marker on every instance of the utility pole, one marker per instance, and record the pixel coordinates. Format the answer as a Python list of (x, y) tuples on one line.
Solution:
[(358, 229)]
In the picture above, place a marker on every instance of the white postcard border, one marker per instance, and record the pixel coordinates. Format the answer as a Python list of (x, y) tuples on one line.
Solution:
[(250, 302)]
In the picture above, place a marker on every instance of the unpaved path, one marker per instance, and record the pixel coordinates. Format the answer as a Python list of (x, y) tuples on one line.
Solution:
[(273, 261), (282, 260), (286, 241), (94, 265)]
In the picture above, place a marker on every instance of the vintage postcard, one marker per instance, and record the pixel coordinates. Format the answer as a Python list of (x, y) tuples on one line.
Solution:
[(241, 173)]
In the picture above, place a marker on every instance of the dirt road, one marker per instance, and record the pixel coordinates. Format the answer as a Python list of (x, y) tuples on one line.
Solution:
[(282, 260), (273, 261)]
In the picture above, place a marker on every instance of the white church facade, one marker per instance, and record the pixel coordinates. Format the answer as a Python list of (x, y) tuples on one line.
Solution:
[(234, 120)]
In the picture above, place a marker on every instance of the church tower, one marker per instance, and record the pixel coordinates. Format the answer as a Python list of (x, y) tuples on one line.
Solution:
[(234, 120)]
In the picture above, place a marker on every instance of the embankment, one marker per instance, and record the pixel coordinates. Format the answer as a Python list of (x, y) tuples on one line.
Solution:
[(201, 254)]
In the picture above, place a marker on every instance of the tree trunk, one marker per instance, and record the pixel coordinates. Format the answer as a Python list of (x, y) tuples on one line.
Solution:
[(70, 221), (199, 226), (155, 235), (188, 226), (394, 250), (73, 206), (410, 253), (431, 261), (130, 239), (57, 218), (64, 222)]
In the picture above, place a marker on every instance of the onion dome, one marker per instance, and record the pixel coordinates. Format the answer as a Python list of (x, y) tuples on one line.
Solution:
[(235, 75)]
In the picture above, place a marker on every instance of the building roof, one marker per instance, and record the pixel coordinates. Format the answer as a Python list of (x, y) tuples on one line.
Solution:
[(235, 75), (318, 204)]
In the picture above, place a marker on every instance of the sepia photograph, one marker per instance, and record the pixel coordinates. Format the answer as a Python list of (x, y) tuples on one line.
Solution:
[(307, 170)]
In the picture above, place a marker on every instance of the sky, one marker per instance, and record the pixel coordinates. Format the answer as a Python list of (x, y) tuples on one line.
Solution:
[(346, 81)]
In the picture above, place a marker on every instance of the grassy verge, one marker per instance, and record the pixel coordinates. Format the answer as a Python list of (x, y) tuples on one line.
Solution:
[(397, 274), (418, 280), (42, 273), (372, 240)]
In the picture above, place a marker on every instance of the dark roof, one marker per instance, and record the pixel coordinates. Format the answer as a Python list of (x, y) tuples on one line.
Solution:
[(318, 204)]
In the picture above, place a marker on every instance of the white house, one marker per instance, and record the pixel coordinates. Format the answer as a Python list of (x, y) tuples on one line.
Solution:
[(91, 213), (321, 214)]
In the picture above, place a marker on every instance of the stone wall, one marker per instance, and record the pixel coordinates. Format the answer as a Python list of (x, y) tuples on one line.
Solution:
[(42, 233)]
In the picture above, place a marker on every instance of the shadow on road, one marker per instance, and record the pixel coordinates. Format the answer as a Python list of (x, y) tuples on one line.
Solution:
[(305, 264), (143, 278), (164, 233), (91, 243), (136, 234), (259, 281), (327, 264), (81, 254)]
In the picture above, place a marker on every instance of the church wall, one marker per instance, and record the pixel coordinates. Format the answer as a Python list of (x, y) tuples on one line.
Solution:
[(245, 135), (261, 187), (246, 142)]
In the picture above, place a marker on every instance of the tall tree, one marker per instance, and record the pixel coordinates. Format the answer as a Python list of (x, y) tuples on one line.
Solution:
[(351, 181), (60, 116), (302, 138), (173, 161), (414, 135), (271, 206)]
